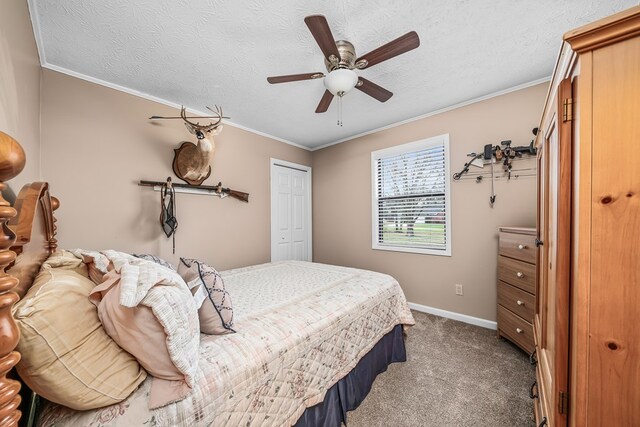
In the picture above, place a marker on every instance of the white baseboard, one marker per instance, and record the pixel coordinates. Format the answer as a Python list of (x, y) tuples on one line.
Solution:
[(455, 316)]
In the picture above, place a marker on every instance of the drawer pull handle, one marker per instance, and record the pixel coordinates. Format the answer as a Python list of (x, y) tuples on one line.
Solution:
[(520, 302), (520, 274), (531, 394), (518, 330), (521, 247)]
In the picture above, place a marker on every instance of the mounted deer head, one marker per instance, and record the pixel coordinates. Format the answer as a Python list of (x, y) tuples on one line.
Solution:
[(202, 131), (191, 162)]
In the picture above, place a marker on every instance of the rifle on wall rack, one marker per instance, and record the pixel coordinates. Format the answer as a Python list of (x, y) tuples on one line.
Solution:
[(216, 190), (224, 192)]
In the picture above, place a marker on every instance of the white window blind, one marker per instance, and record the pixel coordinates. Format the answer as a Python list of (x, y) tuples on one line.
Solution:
[(411, 197)]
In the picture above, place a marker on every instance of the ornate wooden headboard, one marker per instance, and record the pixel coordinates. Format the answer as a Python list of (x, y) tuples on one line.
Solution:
[(27, 238)]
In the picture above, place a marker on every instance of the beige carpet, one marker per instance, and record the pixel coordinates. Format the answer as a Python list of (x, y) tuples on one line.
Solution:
[(455, 375)]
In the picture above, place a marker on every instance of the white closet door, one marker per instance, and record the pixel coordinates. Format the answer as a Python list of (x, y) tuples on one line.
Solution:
[(290, 225)]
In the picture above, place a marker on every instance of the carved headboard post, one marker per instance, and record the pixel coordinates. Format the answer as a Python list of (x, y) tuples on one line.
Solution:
[(53, 242), (12, 160)]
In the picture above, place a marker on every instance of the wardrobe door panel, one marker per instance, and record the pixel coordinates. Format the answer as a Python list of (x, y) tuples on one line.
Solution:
[(614, 347), (554, 217)]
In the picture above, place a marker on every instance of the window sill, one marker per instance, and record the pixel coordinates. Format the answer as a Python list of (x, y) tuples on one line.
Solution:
[(420, 251)]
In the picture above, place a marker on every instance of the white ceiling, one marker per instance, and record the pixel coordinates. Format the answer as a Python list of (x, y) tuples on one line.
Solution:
[(205, 52)]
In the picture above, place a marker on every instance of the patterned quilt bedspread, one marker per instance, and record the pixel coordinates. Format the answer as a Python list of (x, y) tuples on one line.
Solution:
[(300, 328)]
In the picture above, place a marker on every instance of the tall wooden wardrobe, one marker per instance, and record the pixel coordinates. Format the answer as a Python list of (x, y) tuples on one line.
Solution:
[(587, 320)]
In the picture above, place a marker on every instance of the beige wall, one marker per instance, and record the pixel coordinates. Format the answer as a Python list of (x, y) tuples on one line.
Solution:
[(20, 85), (342, 204), (97, 144)]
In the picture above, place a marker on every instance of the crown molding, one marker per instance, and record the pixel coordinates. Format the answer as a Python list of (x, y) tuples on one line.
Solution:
[(160, 101), (612, 29), (440, 111), (35, 24)]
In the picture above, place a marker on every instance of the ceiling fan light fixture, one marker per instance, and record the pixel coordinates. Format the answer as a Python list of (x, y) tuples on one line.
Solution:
[(340, 81)]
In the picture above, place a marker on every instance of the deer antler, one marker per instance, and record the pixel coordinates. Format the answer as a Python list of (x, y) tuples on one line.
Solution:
[(202, 128), (217, 112)]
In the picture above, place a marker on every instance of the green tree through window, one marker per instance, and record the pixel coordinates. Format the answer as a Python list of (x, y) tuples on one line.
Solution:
[(411, 209)]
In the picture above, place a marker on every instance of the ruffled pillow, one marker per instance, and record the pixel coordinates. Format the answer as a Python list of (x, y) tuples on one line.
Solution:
[(139, 332), (216, 312), (149, 311)]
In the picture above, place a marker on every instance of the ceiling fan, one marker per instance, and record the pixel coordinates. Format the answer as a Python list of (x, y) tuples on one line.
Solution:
[(341, 61)]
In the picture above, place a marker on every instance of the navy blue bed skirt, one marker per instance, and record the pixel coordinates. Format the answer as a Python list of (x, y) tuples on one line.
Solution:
[(350, 391), (347, 393)]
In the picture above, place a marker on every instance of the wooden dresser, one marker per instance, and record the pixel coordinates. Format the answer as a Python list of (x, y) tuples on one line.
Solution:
[(517, 285), (588, 311)]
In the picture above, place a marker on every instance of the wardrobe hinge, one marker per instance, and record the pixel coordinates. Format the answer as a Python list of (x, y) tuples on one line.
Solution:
[(567, 110), (563, 402)]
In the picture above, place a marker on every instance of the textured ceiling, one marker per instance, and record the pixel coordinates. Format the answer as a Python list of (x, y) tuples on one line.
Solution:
[(204, 52)]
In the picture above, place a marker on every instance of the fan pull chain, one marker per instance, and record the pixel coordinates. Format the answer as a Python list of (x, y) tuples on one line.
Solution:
[(339, 110)]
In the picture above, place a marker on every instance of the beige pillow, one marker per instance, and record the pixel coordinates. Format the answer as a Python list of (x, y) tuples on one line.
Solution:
[(216, 312), (64, 260), (67, 357)]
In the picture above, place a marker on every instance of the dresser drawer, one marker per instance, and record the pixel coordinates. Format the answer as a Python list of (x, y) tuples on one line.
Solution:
[(515, 329), (516, 300), (517, 273), (518, 246)]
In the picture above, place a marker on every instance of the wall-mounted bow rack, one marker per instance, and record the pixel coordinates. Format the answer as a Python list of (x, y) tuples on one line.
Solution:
[(492, 154), (212, 190)]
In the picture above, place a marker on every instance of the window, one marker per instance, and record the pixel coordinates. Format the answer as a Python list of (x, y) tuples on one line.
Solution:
[(411, 208)]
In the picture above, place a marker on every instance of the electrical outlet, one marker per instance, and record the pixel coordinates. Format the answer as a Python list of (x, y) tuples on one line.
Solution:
[(459, 289)]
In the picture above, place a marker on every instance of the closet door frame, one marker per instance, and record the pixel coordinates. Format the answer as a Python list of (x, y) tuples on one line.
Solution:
[(273, 226)]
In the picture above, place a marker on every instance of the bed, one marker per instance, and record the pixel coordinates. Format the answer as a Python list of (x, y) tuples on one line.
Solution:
[(309, 338)]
